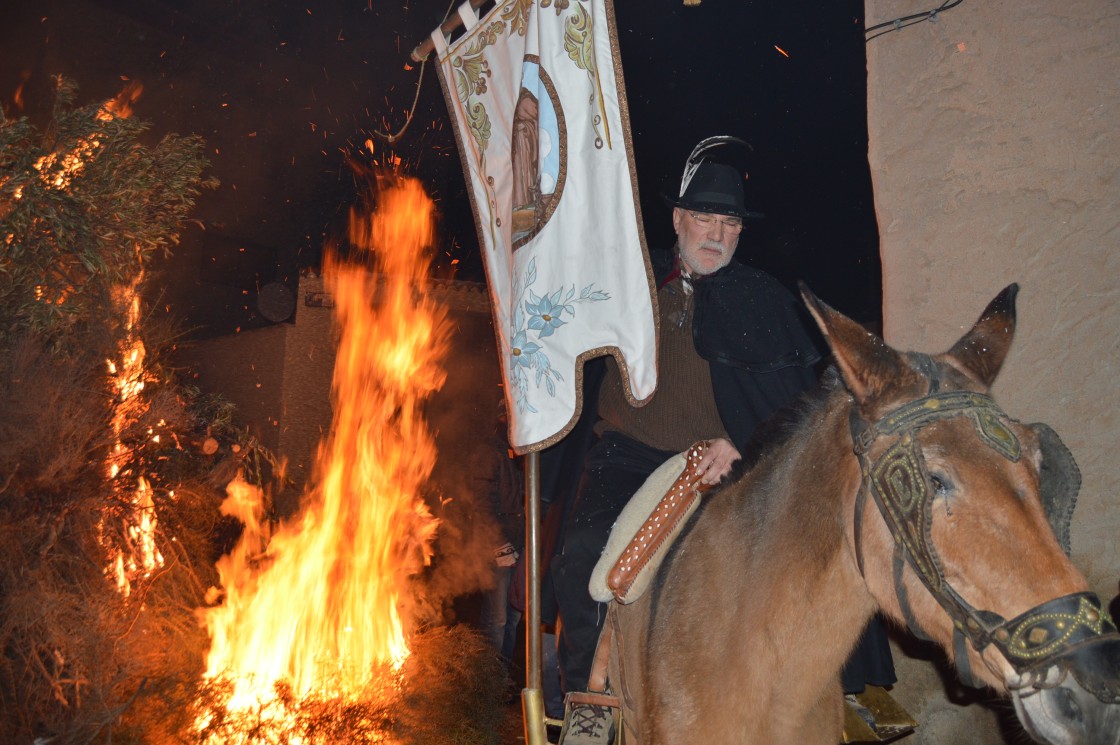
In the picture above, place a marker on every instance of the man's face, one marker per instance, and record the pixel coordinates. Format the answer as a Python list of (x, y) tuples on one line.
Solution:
[(707, 242)]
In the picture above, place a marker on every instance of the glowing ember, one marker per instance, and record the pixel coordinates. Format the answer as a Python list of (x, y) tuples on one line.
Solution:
[(58, 170), (318, 606)]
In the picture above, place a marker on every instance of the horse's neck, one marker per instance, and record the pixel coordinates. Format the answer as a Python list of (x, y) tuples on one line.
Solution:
[(802, 499), (814, 474), (767, 563)]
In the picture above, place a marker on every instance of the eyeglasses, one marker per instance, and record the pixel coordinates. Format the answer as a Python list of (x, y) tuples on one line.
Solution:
[(706, 221)]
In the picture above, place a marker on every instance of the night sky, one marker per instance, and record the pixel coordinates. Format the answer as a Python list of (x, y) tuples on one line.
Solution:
[(286, 94)]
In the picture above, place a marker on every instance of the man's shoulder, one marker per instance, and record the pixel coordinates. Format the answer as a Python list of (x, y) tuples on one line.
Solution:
[(739, 269), (741, 277)]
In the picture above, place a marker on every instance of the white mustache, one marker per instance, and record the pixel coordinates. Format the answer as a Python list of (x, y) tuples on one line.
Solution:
[(714, 245)]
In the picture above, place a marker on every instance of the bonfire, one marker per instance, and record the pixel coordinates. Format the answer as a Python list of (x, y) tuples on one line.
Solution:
[(110, 470), (312, 631)]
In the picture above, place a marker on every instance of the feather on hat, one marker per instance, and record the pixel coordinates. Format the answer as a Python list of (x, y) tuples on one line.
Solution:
[(712, 187)]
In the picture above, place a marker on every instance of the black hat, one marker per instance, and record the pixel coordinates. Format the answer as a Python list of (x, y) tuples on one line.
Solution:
[(712, 187)]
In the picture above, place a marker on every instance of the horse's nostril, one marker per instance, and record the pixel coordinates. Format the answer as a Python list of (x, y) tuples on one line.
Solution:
[(1067, 706)]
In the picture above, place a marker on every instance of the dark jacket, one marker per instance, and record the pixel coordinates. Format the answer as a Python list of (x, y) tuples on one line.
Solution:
[(755, 336)]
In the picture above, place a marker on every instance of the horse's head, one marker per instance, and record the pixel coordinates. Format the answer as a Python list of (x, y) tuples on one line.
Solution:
[(964, 553)]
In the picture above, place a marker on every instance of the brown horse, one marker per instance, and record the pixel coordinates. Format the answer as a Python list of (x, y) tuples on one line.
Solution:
[(742, 635)]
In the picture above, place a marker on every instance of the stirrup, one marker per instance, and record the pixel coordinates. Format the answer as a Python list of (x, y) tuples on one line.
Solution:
[(584, 712), (874, 716), (591, 718)]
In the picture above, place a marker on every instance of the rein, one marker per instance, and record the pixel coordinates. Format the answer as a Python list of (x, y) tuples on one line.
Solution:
[(1058, 632)]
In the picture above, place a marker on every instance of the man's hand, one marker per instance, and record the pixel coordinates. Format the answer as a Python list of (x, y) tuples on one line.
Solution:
[(717, 461)]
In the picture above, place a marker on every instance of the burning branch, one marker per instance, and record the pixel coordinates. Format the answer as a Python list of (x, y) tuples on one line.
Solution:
[(85, 207)]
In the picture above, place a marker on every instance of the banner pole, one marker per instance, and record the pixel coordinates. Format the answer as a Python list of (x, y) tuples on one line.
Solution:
[(532, 698), (425, 47)]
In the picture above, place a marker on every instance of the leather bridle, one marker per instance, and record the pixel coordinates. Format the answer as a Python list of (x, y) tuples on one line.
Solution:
[(1073, 631)]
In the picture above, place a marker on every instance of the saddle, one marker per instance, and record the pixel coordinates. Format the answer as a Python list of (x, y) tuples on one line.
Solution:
[(647, 527)]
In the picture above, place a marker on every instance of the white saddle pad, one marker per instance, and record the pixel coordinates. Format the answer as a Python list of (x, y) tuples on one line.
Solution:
[(631, 518)]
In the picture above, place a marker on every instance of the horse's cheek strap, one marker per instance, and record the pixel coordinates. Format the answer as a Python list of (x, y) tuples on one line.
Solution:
[(857, 526), (898, 484), (960, 659), (904, 597)]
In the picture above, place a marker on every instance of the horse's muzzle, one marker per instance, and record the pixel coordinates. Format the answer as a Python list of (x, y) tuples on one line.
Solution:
[(1074, 697), (1059, 709), (1095, 665)]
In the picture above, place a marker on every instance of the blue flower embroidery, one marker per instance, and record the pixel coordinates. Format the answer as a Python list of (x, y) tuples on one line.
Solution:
[(523, 350), (544, 316), (545, 313)]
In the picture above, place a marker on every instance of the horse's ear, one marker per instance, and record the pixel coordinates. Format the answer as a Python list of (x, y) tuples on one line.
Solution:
[(982, 350), (868, 365)]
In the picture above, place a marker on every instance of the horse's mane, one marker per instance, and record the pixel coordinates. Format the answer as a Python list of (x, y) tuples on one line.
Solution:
[(786, 422)]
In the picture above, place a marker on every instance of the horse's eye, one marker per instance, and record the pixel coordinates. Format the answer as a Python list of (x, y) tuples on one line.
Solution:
[(941, 485)]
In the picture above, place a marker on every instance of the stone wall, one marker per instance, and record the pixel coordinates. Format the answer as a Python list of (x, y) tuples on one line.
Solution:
[(279, 378), (994, 149)]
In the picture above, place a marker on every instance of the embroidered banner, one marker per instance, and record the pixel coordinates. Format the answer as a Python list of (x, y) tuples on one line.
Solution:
[(535, 88)]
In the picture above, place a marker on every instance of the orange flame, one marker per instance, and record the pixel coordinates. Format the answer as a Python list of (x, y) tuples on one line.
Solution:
[(319, 605), (128, 376), (120, 107)]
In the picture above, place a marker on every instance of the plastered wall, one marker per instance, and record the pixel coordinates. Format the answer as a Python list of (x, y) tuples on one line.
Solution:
[(995, 156)]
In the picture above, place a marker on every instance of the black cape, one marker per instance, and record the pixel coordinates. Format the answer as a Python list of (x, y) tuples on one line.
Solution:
[(756, 337)]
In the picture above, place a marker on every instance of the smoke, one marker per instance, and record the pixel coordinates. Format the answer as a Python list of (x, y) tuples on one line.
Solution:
[(464, 553), (470, 441)]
